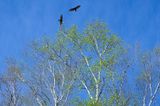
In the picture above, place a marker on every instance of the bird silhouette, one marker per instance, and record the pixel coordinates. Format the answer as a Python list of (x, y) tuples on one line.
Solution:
[(74, 8), (61, 21)]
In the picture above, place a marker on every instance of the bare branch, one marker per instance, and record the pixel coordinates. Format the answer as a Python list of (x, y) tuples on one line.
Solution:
[(154, 94)]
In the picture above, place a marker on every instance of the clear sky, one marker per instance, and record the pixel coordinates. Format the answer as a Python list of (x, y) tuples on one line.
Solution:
[(22, 21)]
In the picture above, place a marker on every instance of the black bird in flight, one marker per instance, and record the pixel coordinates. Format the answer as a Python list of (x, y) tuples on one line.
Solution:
[(61, 20), (75, 8)]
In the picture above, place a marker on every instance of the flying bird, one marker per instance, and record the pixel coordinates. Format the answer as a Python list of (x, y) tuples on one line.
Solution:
[(61, 21), (75, 8)]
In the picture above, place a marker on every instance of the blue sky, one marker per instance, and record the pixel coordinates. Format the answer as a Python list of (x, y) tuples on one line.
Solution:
[(22, 21)]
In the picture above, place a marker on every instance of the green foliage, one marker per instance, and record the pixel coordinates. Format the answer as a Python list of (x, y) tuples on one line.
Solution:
[(93, 103), (94, 56), (89, 103)]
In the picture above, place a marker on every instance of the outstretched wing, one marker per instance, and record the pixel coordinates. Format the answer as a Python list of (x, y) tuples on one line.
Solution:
[(61, 17), (72, 9), (75, 8)]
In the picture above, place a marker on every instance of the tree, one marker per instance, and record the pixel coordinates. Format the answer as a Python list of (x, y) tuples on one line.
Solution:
[(88, 68), (10, 86), (98, 51), (52, 73), (149, 80)]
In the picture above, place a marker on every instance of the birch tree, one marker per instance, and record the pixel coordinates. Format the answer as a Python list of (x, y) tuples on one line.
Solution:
[(149, 81), (53, 73), (10, 86), (97, 50)]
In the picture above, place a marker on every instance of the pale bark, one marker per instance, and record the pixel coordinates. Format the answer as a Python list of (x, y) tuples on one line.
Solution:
[(39, 102), (144, 96), (154, 94), (89, 93)]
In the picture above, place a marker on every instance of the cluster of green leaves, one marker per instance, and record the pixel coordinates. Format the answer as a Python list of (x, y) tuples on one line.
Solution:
[(96, 57)]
